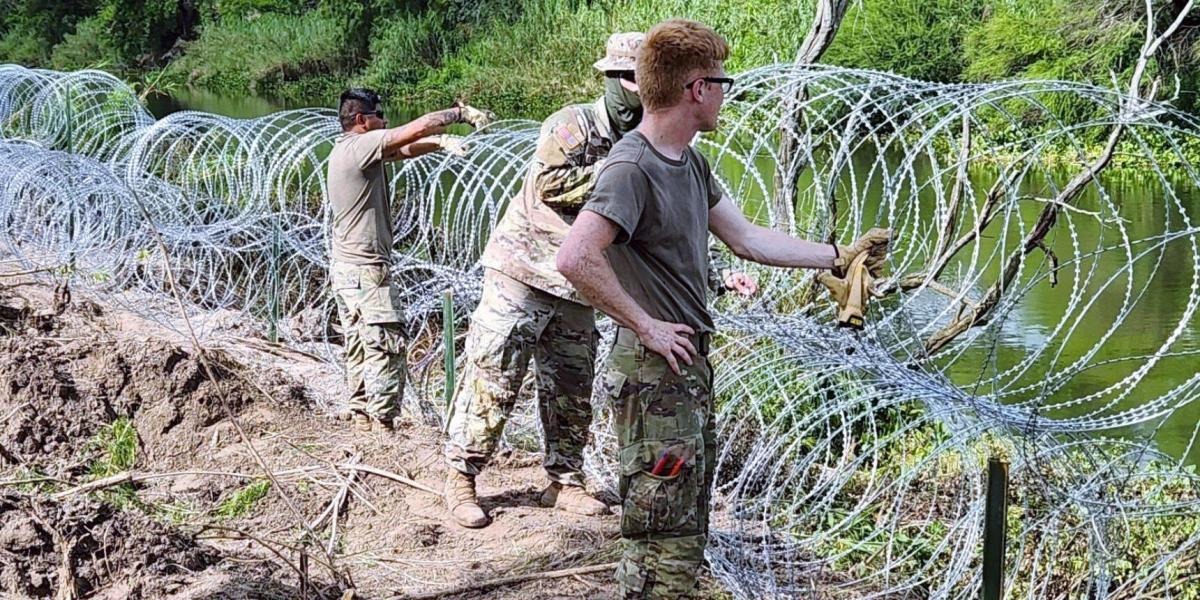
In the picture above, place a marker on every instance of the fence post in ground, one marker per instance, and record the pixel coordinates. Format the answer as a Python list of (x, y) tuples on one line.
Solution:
[(448, 343), (273, 291), (994, 529)]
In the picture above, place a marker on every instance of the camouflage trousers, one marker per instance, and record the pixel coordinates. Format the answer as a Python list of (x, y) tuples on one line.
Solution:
[(371, 317), (513, 324), (666, 438)]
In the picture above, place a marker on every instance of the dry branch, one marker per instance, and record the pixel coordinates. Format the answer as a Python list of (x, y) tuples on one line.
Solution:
[(390, 475), (826, 20), (135, 476), (502, 581)]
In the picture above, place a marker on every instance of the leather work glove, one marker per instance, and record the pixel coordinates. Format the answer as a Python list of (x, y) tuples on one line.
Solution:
[(850, 282), (851, 292), (475, 117), (452, 144), (875, 243)]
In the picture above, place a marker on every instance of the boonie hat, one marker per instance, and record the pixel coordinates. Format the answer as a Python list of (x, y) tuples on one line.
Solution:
[(621, 52)]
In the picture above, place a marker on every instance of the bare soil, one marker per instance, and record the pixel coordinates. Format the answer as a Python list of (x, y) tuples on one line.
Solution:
[(211, 428)]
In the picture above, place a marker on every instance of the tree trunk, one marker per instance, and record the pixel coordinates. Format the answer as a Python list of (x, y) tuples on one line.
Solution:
[(825, 25)]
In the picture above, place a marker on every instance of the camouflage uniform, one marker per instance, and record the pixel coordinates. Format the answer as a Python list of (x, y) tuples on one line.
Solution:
[(528, 308), (514, 323), (360, 274), (369, 311), (664, 518)]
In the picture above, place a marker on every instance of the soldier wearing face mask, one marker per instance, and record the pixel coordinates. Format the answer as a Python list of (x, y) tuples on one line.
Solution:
[(530, 311)]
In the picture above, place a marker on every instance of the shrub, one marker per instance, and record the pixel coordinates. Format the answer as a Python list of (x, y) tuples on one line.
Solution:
[(23, 47), (532, 57), (263, 54), (87, 47), (922, 39), (30, 28), (143, 30), (405, 48)]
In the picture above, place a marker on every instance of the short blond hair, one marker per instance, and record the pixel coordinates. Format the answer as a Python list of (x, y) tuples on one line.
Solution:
[(672, 52)]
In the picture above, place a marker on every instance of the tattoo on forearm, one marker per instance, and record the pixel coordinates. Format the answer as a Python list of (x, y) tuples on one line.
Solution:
[(446, 117)]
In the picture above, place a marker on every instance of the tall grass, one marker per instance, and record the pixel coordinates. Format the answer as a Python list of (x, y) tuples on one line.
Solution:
[(265, 55), (535, 59)]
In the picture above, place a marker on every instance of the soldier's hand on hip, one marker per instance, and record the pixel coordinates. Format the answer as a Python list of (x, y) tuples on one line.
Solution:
[(670, 340)]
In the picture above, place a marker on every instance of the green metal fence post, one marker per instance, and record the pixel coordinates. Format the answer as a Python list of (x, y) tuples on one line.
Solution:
[(448, 342), (273, 300), (995, 530)]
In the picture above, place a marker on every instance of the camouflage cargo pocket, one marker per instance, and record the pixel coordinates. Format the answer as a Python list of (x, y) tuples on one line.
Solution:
[(663, 479), (342, 278), (381, 305), (386, 338)]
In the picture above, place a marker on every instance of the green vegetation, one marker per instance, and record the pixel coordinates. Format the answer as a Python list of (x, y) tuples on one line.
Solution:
[(528, 57), (116, 444), (241, 502), (265, 55)]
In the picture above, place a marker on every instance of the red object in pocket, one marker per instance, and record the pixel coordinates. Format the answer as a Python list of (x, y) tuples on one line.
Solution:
[(664, 463)]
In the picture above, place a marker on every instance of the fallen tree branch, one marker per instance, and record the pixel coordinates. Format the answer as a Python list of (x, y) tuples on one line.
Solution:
[(43, 479), (333, 467), (29, 272), (135, 476), (1134, 103), (339, 499), (390, 475), (301, 573), (502, 581), (68, 587), (950, 220), (202, 356), (827, 18), (1041, 244)]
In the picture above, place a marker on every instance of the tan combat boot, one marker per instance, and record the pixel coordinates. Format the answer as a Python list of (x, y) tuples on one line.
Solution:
[(459, 491), (573, 499), (361, 421)]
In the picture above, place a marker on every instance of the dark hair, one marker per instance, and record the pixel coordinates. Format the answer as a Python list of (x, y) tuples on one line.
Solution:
[(356, 101)]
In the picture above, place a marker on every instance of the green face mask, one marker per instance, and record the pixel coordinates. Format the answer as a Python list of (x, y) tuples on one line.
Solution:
[(624, 107)]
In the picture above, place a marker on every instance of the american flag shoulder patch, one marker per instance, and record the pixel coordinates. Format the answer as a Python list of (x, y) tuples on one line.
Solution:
[(570, 134)]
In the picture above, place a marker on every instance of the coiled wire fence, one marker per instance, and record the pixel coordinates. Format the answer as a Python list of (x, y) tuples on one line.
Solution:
[(1030, 309)]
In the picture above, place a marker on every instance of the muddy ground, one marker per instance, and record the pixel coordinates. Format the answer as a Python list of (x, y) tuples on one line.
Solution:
[(201, 517)]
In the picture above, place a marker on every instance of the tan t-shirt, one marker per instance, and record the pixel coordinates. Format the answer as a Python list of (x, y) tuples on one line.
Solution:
[(661, 207), (362, 217)]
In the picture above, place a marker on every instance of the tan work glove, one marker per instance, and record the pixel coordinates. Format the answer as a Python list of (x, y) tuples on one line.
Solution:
[(852, 292), (475, 117), (875, 243), (452, 144)]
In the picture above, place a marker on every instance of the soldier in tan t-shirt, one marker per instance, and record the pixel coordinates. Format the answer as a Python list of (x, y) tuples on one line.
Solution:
[(361, 244)]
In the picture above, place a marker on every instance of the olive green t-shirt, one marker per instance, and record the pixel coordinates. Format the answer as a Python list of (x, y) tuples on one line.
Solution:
[(362, 217), (661, 207)]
